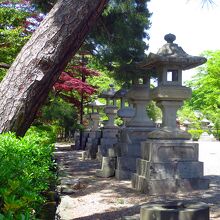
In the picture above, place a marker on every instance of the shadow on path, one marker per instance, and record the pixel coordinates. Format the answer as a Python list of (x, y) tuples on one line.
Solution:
[(108, 199)]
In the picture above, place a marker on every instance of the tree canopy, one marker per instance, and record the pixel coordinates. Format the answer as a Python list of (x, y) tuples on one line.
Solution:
[(206, 86), (12, 35), (119, 37)]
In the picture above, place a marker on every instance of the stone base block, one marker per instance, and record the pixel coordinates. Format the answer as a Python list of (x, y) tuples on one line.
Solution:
[(175, 211), (169, 150), (108, 141), (186, 185), (126, 163), (112, 152), (166, 170), (109, 133), (132, 150), (103, 150), (95, 134), (126, 166), (166, 186), (105, 173), (92, 141), (123, 174), (135, 134), (92, 151), (108, 167)]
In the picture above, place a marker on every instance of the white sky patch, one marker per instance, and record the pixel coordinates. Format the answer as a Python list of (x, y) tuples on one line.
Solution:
[(196, 28)]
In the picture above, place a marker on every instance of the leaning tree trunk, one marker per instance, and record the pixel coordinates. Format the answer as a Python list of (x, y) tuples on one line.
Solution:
[(41, 60)]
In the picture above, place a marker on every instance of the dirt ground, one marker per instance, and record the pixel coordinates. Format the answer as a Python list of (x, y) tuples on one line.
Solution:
[(86, 197)]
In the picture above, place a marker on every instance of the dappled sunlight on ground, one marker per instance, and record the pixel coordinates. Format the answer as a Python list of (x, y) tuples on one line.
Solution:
[(93, 198)]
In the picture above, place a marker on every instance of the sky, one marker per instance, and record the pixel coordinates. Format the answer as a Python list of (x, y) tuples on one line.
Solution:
[(197, 27)]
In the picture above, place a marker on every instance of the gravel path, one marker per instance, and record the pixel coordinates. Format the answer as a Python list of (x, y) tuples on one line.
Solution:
[(86, 197)]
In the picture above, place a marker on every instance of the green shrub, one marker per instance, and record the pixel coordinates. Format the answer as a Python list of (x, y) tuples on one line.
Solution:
[(195, 134), (25, 172)]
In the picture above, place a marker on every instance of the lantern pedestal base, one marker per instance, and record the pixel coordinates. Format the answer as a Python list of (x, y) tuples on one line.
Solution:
[(169, 166)]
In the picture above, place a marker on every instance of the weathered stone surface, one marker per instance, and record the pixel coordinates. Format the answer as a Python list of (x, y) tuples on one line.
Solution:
[(91, 150), (105, 173), (169, 185), (175, 211), (124, 164), (169, 166), (167, 170), (107, 132), (169, 150), (94, 134), (126, 114), (130, 150), (108, 167), (111, 112), (95, 120), (169, 129), (108, 141), (85, 135), (167, 133), (84, 154), (112, 152), (139, 95), (92, 143), (133, 217), (123, 174), (175, 93)]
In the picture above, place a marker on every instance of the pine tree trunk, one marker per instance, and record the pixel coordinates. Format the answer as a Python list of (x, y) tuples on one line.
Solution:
[(42, 59)]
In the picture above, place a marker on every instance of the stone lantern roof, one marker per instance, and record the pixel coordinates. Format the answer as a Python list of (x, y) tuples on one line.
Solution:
[(96, 104), (108, 94), (172, 53), (120, 93)]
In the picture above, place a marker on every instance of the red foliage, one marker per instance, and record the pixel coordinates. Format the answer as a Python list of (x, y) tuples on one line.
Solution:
[(68, 83), (71, 100), (86, 71)]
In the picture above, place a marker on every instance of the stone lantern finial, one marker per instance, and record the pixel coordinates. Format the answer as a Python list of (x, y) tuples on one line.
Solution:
[(169, 38)]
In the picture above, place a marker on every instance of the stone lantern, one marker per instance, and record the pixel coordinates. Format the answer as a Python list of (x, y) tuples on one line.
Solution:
[(94, 115), (125, 112), (169, 95), (169, 159), (187, 123), (136, 129), (111, 108), (94, 135), (109, 130), (205, 122), (109, 136), (139, 95)]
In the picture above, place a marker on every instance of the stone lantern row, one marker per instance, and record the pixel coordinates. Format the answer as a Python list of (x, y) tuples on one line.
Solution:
[(157, 160)]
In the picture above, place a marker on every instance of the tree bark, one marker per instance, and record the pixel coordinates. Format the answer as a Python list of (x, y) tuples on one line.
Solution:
[(42, 59)]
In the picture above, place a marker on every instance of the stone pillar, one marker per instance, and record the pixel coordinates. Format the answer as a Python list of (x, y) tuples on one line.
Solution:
[(85, 135), (169, 99), (109, 135), (94, 136), (139, 95), (111, 112), (108, 139), (136, 130), (109, 132)]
